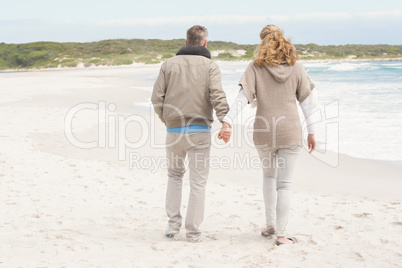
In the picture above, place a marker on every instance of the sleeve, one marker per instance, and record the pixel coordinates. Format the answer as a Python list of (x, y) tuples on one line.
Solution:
[(216, 94), (248, 83), (308, 106), (158, 93), (305, 85), (239, 103)]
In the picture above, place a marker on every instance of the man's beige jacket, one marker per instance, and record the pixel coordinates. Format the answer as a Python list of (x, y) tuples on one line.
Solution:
[(188, 88)]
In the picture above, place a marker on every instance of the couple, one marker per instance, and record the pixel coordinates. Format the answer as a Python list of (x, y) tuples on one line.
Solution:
[(187, 91)]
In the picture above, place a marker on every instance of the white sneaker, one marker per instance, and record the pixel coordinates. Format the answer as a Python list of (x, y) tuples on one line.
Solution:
[(171, 232), (198, 239)]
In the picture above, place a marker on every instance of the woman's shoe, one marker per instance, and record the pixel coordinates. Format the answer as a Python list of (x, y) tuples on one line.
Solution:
[(280, 243), (268, 231)]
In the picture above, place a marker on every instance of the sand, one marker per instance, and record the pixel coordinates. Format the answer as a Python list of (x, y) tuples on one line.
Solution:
[(63, 206)]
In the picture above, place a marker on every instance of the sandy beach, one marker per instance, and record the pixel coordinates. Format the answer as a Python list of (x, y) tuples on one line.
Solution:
[(84, 198)]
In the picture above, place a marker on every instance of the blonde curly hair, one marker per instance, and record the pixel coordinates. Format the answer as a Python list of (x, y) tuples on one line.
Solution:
[(274, 48)]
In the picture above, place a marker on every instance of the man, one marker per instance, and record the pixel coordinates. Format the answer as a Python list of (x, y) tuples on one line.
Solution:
[(185, 93)]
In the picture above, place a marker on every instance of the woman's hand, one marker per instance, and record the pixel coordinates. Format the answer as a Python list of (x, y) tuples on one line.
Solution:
[(311, 142), (225, 132)]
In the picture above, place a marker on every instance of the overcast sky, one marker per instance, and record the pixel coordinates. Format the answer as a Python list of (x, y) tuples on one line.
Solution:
[(310, 21)]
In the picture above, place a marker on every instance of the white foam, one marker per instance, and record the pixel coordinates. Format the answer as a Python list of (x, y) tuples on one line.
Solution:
[(315, 64), (391, 64), (352, 66), (149, 89)]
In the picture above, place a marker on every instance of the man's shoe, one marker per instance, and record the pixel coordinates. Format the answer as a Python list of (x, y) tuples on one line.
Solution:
[(171, 232), (199, 239)]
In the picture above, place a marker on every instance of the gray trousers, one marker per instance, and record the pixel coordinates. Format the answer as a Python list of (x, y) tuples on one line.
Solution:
[(197, 147), (278, 165)]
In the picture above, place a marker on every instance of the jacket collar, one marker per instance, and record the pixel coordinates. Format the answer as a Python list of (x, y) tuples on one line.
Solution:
[(194, 50)]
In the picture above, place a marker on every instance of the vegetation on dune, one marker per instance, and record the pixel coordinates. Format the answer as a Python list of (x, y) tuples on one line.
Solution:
[(313, 51), (123, 52)]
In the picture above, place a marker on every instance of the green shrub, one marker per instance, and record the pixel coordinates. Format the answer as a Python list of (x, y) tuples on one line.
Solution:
[(96, 61), (123, 61), (148, 59), (225, 56), (68, 63), (3, 64), (167, 56)]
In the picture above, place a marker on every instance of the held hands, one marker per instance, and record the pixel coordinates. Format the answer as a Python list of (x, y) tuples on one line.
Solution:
[(225, 133), (311, 142)]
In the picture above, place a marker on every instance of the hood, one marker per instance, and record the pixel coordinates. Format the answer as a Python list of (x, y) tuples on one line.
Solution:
[(281, 72)]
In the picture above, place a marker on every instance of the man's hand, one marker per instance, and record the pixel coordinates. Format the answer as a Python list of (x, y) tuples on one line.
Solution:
[(311, 142), (225, 133)]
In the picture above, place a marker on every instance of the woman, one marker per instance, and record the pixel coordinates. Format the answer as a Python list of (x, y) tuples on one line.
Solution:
[(276, 80)]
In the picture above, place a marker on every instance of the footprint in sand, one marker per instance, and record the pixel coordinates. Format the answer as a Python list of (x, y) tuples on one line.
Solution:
[(243, 258), (253, 204), (217, 203), (212, 237), (153, 247), (362, 215), (384, 241), (254, 225), (312, 242), (358, 256)]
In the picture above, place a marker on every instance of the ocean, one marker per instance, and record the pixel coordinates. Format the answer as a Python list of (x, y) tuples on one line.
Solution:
[(363, 98)]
